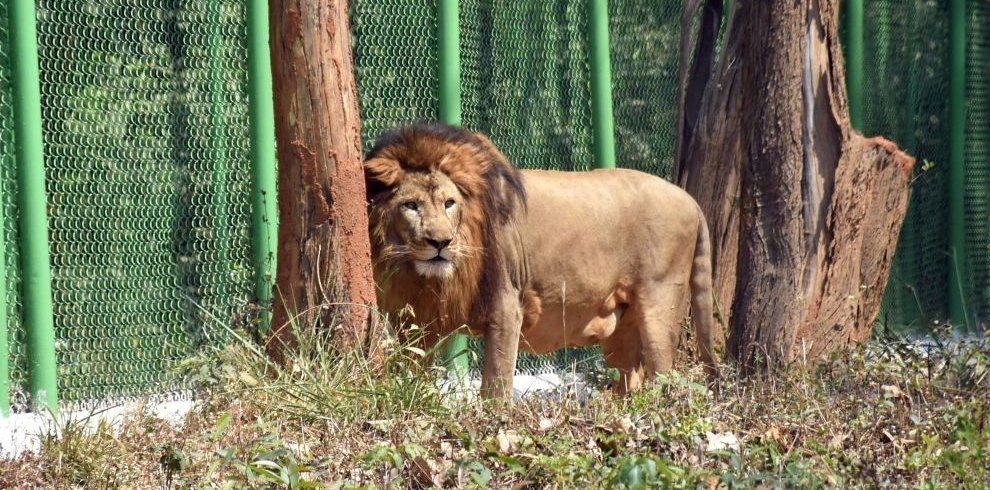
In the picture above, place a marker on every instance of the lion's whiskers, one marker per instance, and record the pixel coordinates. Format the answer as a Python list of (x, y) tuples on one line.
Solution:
[(393, 252), (466, 251)]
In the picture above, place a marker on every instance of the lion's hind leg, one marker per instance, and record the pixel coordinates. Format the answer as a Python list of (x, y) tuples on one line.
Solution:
[(622, 351), (658, 313)]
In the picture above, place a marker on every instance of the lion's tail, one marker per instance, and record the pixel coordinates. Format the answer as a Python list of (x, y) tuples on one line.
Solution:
[(702, 308)]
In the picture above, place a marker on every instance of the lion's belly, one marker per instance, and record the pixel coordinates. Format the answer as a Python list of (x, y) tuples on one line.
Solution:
[(579, 324)]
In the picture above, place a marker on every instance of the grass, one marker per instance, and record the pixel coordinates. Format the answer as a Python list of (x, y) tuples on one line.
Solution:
[(886, 415)]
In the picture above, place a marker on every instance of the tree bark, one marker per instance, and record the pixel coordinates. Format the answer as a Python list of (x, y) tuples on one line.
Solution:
[(804, 212), (324, 275)]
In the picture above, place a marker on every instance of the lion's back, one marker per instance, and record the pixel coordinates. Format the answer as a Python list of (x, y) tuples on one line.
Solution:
[(607, 202), (616, 222)]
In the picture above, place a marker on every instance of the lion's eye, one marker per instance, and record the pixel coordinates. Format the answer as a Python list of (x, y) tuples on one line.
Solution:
[(449, 204), (411, 205)]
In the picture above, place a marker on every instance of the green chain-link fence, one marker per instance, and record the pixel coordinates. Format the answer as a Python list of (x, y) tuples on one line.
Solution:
[(145, 127), (907, 75), (906, 50), (144, 106), (146, 144), (977, 190)]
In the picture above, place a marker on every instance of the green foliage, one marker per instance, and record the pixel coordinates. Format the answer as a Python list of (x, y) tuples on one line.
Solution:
[(264, 462), (79, 455)]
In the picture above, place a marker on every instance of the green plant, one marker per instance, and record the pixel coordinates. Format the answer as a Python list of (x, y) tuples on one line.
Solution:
[(264, 462), (77, 454)]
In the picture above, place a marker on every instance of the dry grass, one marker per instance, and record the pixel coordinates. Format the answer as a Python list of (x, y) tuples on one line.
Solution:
[(886, 415)]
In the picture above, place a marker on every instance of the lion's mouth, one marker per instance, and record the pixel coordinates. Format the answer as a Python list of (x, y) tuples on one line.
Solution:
[(437, 266)]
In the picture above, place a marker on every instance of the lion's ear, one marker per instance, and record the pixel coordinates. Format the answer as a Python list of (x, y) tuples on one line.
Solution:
[(508, 180), (381, 174)]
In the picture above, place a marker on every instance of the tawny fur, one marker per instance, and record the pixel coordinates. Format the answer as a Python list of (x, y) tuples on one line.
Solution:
[(542, 260)]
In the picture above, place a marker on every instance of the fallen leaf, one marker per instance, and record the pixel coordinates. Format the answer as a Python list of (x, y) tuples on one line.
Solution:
[(247, 379), (416, 350), (892, 391), (837, 440), (623, 425), (773, 434), (508, 441), (428, 472)]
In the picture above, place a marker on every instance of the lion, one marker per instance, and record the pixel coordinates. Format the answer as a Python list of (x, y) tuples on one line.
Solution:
[(533, 259)]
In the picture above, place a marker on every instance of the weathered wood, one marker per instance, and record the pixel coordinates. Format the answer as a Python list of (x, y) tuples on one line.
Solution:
[(324, 272), (804, 212)]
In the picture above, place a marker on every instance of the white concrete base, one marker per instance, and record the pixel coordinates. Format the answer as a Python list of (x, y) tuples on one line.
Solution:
[(22, 432), (550, 386)]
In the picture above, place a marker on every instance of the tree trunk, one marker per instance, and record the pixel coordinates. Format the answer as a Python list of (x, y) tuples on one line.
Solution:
[(804, 212), (324, 273)]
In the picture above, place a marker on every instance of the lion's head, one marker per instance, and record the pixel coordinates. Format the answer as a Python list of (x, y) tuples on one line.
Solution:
[(438, 196)]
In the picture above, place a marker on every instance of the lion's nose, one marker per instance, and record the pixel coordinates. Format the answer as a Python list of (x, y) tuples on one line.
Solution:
[(439, 244)]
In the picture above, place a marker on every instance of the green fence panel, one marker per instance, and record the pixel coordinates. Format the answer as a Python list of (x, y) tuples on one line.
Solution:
[(526, 80), (145, 123), (395, 63), (977, 155), (645, 62), (907, 99), (145, 113), (906, 74)]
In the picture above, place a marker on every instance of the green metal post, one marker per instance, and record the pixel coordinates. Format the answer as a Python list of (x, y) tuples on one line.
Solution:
[(4, 347), (958, 270), (854, 61), (449, 41), (601, 84), (454, 354), (33, 202), (219, 156), (264, 215)]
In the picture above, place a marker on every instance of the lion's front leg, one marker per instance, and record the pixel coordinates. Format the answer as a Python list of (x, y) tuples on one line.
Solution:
[(501, 349)]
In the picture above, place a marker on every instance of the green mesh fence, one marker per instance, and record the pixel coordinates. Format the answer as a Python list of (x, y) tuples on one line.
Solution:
[(907, 79), (978, 156), (906, 49), (395, 54), (645, 53), (526, 81), (9, 295), (145, 132)]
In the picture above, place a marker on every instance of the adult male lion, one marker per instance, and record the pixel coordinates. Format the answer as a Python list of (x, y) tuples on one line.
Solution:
[(536, 260)]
